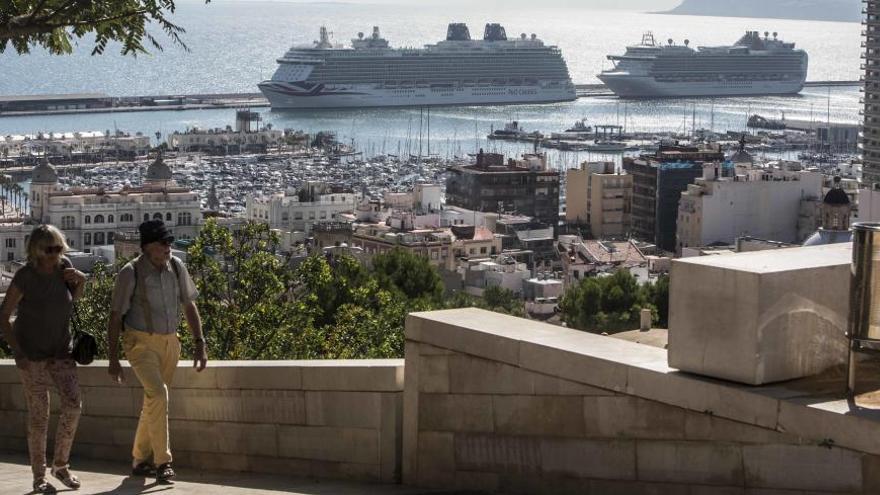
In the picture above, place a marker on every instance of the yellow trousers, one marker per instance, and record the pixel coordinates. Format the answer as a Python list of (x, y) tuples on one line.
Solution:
[(153, 358)]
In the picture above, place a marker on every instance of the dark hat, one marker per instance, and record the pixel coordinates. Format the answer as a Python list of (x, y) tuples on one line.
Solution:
[(154, 231)]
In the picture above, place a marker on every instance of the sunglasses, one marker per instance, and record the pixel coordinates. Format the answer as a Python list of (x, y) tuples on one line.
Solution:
[(53, 249)]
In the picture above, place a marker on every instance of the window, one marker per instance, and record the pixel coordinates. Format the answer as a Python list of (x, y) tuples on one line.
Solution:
[(483, 250), (146, 216), (87, 239), (99, 218), (110, 237), (99, 238), (168, 217), (184, 218), (10, 256), (109, 218), (157, 216), (10, 243), (67, 222), (285, 216), (311, 215), (323, 215), (298, 215), (87, 219)]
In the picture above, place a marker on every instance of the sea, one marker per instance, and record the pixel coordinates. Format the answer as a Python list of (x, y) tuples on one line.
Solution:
[(232, 45)]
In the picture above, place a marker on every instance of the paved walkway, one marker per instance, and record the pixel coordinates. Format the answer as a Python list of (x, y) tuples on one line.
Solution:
[(103, 478)]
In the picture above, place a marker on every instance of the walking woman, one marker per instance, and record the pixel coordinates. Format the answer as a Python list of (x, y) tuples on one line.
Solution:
[(43, 292)]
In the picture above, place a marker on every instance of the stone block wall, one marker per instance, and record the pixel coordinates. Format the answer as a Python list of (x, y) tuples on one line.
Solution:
[(498, 404), (335, 419)]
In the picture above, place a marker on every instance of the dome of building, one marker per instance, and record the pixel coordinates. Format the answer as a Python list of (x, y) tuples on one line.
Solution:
[(836, 196), (44, 173), (742, 156), (158, 171), (824, 236)]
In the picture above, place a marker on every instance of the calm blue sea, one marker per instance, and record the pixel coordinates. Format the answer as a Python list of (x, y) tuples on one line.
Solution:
[(233, 46)]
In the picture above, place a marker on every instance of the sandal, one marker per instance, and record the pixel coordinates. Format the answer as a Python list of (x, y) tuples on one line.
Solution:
[(164, 472), (43, 486), (62, 474), (143, 469)]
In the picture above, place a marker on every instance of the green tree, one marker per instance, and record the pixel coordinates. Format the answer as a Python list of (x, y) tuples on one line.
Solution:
[(244, 293), (502, 300), (609, 303), (407, 273), (54, 24)]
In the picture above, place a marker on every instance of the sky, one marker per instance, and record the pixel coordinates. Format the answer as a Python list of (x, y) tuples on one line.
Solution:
[(640, 5)]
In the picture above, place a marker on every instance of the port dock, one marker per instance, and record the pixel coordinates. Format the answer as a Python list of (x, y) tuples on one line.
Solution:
[(25, 105)]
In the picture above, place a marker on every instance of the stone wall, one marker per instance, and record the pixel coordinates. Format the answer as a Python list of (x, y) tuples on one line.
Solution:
[(497, 403), (336, 419)]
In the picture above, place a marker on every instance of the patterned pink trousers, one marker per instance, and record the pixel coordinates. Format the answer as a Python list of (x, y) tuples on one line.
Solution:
[(37, 377)]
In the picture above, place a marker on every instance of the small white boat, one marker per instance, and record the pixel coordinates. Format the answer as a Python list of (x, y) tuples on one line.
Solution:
[(607, 146)]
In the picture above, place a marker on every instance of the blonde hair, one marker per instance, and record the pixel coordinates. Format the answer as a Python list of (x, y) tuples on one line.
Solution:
[(42, 237)]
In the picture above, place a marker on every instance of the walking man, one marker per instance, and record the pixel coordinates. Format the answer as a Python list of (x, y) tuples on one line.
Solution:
[(149, 293)]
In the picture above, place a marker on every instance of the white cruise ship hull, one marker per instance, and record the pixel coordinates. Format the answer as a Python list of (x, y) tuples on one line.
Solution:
[(282, 95), (631, 86)]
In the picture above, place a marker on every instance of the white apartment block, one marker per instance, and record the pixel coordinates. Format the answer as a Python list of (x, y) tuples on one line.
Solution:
[(299, 211), (762, 203)]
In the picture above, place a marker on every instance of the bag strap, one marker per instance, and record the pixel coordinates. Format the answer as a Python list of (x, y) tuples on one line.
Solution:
[(75, 320)]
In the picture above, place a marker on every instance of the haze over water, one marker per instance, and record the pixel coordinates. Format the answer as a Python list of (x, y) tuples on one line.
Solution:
[(234, 45)]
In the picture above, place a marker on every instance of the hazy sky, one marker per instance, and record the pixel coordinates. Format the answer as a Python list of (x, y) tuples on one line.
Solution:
[(642, 5)]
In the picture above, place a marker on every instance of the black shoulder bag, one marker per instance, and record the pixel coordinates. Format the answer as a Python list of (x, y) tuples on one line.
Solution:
[(83, 347)]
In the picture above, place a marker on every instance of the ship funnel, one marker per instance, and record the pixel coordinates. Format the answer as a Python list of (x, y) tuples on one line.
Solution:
[(687, 42), (494, 32), (376, 32), (458, 31)]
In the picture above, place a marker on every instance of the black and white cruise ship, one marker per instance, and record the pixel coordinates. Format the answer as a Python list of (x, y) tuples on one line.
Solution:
[(457, 71), (752, 66)]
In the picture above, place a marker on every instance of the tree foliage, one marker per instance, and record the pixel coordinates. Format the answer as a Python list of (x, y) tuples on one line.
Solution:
[(56, 24), (613, 303)]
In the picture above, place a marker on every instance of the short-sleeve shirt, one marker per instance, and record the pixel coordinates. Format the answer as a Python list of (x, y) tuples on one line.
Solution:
[(166, 293), (42, 323)]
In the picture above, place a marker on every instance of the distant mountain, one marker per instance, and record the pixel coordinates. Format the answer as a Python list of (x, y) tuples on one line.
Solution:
[(817, 10)]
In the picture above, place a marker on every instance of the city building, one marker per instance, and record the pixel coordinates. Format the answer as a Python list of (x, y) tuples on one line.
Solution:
[(299, 210), (658, 181), (74, 146), (870, 142), (599, 196), (243, 138), (93, 217), (524, 187), (836, 215), (763, 203)]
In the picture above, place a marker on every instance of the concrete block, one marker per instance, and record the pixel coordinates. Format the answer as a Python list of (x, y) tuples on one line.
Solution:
[(802, 467), (690, 462), (614, 487), (497, 454), (12, 397), (187, 377), (454, 412), (436, 451), (95, 375), (410, 423), (105, 430), (871, 474), (13, 424), (224, 437), (470, 375), (477, 481), (603, 459), (632, 417), (352, 409), (430, 350), (434, 374), (344, 470), (273, 375), (328, 443), (366, 375), (703, 395), (82, 449), (539, 415), (238, 406), (705, 427), (497, 337), (213, 461), (563, 358), (535, 484), (14, 444), (111, 401), (758, 317), (8, 372), (816, 425), (390, 437)]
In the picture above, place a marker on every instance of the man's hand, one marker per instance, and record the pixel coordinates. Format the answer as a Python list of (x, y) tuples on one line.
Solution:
[(200, 356), (115, 371)]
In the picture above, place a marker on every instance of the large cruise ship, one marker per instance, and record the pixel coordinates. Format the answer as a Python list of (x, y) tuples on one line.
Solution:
[(752, 66), (457, 71)]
